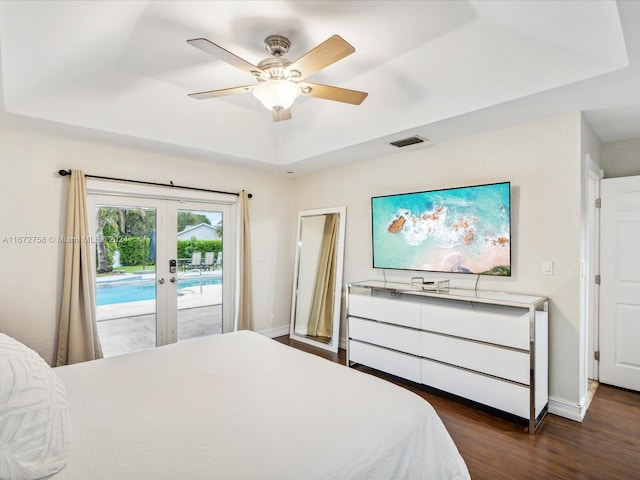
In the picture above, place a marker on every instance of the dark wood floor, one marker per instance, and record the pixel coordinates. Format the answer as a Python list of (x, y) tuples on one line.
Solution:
[(605, 445)]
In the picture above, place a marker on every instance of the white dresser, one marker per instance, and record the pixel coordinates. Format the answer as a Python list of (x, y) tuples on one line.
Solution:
[(488, 347)]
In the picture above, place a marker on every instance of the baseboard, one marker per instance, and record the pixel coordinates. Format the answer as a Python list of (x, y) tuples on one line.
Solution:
[(566, 409), (275, 332)]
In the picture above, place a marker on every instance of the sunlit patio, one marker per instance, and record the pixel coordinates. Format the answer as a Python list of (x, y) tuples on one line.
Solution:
[(130, 326)]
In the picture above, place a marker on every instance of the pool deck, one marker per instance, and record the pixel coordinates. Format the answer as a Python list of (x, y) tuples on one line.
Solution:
[(130, 326)]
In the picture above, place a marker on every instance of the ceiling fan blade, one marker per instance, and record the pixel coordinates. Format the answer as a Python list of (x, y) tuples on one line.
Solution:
[(225, 55), (328, 92), (328, 52), (280, 115), (221, 93)]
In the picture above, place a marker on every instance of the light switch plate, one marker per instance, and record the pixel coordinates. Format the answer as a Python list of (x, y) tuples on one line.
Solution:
[(547, 267)]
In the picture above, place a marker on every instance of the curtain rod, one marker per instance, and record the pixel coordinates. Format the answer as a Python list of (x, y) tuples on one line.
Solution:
[(64, 173)]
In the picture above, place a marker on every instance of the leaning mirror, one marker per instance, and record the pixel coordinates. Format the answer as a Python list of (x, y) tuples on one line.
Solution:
[(317, 279)]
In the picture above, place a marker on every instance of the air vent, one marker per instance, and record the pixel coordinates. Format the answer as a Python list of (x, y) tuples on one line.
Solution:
[(405, 142)]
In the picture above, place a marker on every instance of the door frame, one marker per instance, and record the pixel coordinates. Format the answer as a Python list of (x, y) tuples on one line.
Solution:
[(589, 268), (190, 199)]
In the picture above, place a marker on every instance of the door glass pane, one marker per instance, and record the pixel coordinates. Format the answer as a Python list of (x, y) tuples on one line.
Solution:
[(199, 247), (125, 278)]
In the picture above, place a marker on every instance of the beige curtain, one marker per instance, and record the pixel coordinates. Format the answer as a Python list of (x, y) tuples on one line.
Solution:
[(244, 310), (78, 339), (321, 317)]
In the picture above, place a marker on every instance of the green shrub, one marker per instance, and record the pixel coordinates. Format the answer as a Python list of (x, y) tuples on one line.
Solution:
[(187, 247), (110, 249), (134, 251)]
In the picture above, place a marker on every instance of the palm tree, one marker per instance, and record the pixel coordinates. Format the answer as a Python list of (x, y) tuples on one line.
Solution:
[(117, 219), (107, 216)]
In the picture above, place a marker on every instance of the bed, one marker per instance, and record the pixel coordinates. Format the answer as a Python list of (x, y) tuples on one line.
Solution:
[(243, 406)]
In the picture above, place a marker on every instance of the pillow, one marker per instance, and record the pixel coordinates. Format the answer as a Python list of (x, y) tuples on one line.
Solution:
[(34, 414)]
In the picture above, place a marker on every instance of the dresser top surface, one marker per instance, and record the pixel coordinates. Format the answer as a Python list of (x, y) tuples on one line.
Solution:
[(502, 298)]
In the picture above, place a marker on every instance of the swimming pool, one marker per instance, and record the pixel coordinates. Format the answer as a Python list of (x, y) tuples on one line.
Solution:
[(134, 290)]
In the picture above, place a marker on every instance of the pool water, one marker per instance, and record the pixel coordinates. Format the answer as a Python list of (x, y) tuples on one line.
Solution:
[(108, 293)]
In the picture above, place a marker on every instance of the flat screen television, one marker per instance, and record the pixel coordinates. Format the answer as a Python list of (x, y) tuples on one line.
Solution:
[(459, 230)]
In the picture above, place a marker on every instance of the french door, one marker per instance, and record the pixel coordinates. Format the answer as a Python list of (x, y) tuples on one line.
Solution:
[(164, 269)]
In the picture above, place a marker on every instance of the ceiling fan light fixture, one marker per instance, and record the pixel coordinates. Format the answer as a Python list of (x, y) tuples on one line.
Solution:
[(280, 81), (276, 94)]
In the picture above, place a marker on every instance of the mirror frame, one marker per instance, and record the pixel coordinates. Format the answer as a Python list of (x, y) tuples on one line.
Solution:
[(333, 345)]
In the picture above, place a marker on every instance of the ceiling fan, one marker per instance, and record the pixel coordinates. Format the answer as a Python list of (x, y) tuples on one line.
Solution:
[(280, 81)]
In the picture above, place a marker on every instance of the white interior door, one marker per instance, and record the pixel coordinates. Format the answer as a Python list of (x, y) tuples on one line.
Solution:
[(620, 282)]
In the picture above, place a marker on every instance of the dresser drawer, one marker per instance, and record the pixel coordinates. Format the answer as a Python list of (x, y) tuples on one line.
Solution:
[(499, 394), (395, 363), (488, 323), (499, 362), (389, 310), (390, 336)]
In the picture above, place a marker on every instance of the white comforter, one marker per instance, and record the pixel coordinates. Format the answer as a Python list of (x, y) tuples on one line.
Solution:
[(242, 406)]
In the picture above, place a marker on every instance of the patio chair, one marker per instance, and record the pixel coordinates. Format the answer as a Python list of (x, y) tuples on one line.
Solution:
[(196, 260), (218, 260), (208, 261)]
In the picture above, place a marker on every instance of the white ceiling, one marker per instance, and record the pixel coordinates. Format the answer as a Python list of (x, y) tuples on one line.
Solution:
[(120, 71)]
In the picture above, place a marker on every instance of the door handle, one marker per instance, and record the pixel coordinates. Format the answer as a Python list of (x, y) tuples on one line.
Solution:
[(161, 281)]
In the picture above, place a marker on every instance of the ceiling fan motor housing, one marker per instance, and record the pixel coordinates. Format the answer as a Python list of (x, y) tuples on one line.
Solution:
[(274, 68), (277, 45)]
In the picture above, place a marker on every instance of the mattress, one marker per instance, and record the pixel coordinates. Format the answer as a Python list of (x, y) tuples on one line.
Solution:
[(243, 406)]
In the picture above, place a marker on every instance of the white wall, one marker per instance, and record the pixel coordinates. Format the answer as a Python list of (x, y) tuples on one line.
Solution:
[(621, 159), (33, 202), (542, 161)]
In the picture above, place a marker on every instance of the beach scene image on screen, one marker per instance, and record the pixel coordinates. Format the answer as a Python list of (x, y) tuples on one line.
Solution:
[(462, 230)]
